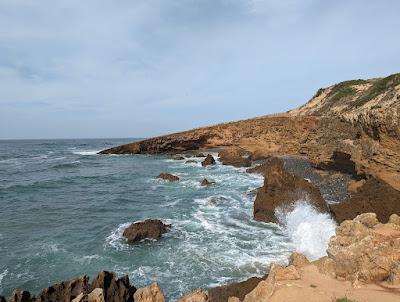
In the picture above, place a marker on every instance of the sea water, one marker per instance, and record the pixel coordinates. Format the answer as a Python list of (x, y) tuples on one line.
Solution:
[(63, 209)]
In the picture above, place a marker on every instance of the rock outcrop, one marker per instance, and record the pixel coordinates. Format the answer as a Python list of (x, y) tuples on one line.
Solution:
[(152, 293), (234, 156), (209, 160), (373, 196), (281, 190), (238, 290), (104, 288), (366, 250), (168, 177), (199, 295), (148, 229)]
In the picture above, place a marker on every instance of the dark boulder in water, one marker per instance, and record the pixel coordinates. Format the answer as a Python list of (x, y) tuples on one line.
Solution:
[(205, 182), (374, 196), (114, 290), (2, 299), (236, 157), (190, 161), (200, 155), (168, 177), (209, 160), (148, 229), (178, 157), (281, 190)]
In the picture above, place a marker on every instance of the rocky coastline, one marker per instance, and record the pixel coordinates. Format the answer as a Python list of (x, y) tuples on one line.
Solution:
[(353, 157)]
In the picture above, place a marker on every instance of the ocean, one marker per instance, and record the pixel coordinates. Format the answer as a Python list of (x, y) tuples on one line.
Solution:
[(63, 209)]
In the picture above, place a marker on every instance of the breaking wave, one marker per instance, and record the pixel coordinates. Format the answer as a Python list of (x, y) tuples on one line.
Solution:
[(308, 229)]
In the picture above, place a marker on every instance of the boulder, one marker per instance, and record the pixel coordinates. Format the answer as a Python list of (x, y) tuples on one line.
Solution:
[(82, 297), (281, 190), (239, 290), (298, 260), (147, 229), (190, 161), (152, 293), (199, 295), (374, 196), (395, 219), (20, 296), (234, 156), (262, 292), (209, 160), (64, 291), (326, 266), (113, 290), (168, 177), (178, 157), (205, 182), (200, 155), (367, 219), (96, 295), (280, 273), (361, 252)]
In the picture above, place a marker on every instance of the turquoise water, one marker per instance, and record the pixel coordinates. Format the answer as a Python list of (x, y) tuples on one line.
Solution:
[(63, 209)]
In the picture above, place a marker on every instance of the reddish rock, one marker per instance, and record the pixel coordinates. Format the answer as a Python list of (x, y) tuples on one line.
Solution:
[(374, 196), (282, 189), (150, 229), (236, 157), (114, 290)]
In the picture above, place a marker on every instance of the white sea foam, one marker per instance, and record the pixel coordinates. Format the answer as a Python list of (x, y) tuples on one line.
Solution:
[(2, 275), (308, 229), (86, 152), (116, 240)]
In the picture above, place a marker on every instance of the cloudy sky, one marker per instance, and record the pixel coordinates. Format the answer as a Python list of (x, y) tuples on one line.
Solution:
[(137, 68)]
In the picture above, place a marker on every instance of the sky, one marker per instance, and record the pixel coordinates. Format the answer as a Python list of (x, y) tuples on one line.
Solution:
[(139, 68)]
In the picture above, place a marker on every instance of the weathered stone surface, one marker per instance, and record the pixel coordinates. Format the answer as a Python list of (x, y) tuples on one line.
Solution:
[(238, 289), (374, 196), (168, 177), (298, 260), (262, 292), (280, 273), (364, 253), (282, 189), (81, 298), (199, 295), (233, 299), (20, 296), (326, 266), (209, 160), (234, 156), (395, 219), (148, 229), (64, 291), (114, 290), (152, 293), (367, 219), (96, 295), (205, 182), (342, 162)]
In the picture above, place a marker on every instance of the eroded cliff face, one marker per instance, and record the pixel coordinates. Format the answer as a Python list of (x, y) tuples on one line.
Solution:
[(359, 118)]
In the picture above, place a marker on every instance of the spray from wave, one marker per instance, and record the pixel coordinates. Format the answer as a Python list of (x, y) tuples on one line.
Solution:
[(308, 229)]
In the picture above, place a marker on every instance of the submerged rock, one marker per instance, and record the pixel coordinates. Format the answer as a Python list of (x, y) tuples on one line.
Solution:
[(200, 155), (168, 177), (152, 293), (205, 182), (148, 229), (208, 161), (373, 196), (178, 157), (190, 161), (236, 157), (281, 190)]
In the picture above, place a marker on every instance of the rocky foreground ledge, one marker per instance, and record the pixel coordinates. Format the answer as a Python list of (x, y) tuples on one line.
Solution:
[(363, 264)]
